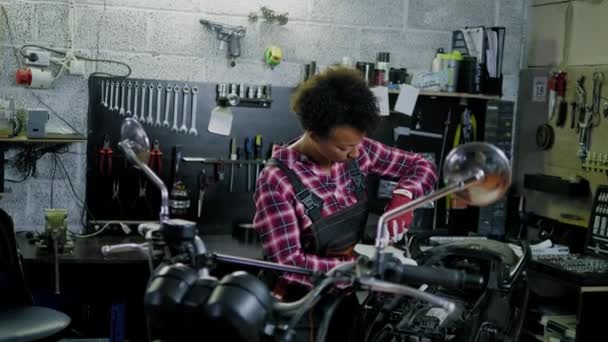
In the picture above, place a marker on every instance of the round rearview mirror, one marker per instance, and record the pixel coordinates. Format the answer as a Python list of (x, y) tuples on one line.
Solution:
[(485, 162), (134, 137)]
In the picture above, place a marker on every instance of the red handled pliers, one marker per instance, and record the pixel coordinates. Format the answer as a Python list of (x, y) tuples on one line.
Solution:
[(105, 157), (156, 158)]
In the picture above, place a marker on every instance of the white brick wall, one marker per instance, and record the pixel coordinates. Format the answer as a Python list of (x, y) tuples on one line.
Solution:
[(162, 39)]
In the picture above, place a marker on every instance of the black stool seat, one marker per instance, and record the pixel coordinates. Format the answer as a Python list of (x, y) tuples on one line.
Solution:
[(30, 323)]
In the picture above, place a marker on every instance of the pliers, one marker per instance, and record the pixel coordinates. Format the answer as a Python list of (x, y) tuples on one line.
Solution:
[(105, 157), (156, 158)]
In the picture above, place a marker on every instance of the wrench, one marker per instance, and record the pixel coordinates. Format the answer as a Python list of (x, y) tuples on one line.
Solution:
[(158, 89), (135, 101), (111, 96), (105, 99), (184, 128), (167, 105), (122, 99), (129, 86), (193, 130), (175, 103), (102, 92), (150, 119), (144, 87), (116, 93)]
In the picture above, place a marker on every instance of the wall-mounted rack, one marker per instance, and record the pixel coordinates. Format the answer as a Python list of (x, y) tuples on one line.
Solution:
[(242, 95), (223, 161)]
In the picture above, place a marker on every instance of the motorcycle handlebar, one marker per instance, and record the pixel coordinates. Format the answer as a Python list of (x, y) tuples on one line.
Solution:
[(458, 279), (124, 248)]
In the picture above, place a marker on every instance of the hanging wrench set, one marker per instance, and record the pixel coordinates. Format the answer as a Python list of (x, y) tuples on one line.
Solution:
[(132, 99)]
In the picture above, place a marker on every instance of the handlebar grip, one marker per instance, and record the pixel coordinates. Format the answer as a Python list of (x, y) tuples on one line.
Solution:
[(458, 279), (123, 248)]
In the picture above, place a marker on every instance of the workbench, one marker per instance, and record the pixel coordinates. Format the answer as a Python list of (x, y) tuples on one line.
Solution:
[(104, 295)]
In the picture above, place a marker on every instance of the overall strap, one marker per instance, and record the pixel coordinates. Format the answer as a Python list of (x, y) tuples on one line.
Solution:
[(311, 202), (357, 177)]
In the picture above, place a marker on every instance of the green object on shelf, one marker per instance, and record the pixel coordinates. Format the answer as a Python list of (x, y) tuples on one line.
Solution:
[(56, 220)]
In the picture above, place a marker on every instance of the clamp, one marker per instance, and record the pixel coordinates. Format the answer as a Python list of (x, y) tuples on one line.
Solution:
[(105, 157), (156, 158)]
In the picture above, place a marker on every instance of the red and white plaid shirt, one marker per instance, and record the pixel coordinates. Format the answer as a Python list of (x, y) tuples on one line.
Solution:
[(280, 218)]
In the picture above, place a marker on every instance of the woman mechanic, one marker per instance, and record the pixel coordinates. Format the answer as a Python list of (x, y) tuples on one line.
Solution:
[(311, 197)]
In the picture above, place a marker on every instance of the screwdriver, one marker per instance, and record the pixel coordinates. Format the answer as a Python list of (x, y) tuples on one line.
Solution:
[(233, 156), (248, 156), (257, 154)]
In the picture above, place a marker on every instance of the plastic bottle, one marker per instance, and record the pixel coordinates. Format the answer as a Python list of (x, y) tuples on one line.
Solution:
[(437, 64)]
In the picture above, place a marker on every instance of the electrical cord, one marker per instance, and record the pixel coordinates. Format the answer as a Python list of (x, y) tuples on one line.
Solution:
[(84, 205), (123, 226), (83, 58)]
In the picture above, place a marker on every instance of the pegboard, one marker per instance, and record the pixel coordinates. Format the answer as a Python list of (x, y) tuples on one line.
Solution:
[(561, 159), (221, 208)]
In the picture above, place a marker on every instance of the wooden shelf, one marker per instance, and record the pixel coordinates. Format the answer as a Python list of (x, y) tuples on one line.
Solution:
[(26, 140), (447, 94)]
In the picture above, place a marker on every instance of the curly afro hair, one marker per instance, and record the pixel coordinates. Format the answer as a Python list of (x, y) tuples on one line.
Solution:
[(335, 97)]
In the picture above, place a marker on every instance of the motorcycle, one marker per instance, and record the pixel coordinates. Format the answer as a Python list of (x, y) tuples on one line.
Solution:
[(183, 299)]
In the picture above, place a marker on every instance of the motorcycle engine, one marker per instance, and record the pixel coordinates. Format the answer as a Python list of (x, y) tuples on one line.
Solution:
[(482, 312)]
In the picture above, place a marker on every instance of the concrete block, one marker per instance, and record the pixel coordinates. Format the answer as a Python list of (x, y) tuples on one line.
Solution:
[(296, 9), (22, 18), (256, 72), (294, 39), (512, 54), (450, 15), (328, 44), (412, 50), (510, 87), (177, 5), (161, 67), (511, 15), (179, 33), (53, 23), (119, 29), (382, 13)]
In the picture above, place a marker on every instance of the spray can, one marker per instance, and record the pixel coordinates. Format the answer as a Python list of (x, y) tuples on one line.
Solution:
[(179, 201), (382, 62)]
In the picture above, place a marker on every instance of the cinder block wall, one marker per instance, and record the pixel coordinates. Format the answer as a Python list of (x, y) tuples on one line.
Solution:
[(163, 39)]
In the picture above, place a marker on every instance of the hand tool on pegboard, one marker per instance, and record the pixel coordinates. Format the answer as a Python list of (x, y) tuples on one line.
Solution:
[(562, 105), (257, 151), (193, 130), (156, 158), (233, 156), (248, 156), (202, 186), (105, 157)]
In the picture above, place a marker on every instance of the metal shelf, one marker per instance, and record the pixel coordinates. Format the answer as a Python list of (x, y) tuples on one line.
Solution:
[(223, 161), (26, 140), (447, 94)]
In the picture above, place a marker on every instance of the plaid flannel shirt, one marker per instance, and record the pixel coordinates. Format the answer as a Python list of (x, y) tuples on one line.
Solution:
[(280, 219)]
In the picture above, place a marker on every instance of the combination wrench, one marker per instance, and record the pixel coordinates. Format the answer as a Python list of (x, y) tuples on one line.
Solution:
[(150, 119), (102, 92), (167, 105), (159, 87), (129, 86), (144, 88), (193, 130), (116, 93), (135, 115), (184, 128), (105, 99), (176, 90), (111, 96), (121, 112)]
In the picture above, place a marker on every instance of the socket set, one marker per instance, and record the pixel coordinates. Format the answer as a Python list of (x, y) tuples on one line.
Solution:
[(153, 104), (243, 95), (596, 162), (598, 222)]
